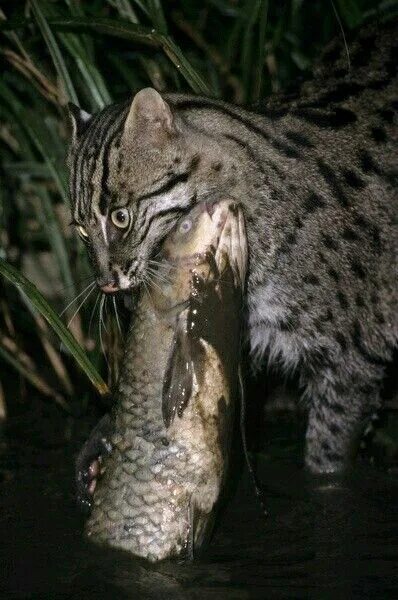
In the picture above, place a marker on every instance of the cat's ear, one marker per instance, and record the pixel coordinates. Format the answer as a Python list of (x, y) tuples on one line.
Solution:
[(149, 113), (79, 119)]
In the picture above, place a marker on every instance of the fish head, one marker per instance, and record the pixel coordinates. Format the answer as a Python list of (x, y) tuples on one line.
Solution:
[(196, 233), (210, 235)]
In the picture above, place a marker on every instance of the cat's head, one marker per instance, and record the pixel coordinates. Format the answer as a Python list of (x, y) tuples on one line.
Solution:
[(134, 170)]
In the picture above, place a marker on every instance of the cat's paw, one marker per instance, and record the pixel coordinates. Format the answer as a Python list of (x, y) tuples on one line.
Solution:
[(88, 463), (86, 480)]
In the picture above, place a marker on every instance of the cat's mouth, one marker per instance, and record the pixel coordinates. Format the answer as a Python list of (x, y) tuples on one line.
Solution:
[(121, 278), (109, 288), (119, 283)]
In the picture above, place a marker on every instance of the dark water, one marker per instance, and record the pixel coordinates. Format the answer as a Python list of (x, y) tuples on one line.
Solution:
[(323, 538)]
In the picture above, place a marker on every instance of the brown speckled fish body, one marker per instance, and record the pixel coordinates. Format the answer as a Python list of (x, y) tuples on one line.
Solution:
[(174, 408)]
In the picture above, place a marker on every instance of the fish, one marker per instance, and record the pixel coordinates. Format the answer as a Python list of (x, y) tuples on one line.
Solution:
[(174, 409)]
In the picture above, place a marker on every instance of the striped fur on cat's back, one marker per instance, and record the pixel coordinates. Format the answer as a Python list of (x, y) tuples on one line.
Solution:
[(316, 174)]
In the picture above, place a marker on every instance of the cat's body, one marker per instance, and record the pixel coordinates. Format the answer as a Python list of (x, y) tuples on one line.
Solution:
[(316, 177)]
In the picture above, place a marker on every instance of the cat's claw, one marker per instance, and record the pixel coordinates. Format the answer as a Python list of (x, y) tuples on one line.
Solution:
[(88, 463)]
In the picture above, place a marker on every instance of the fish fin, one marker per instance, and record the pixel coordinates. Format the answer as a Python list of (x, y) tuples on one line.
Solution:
[(178, 378), (240, 250), (201, 527), (232, 247)]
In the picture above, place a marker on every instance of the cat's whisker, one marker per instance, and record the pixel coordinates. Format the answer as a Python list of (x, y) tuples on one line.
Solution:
[(101, 320), (164, 272), (90, 285), (160, 276), (161, 279), (147, 283), (80, 305), (116, 314), (162, 264), (105, 312), (159, 268), (93, 312), (60, 290), (152, 281), (148, 291)]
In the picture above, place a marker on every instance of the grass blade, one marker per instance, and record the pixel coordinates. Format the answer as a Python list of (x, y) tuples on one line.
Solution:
[(137, 33), (54, 51), (258, 82), (350, 12), (252, 10), (26, 168), (57, 171), (33, 377), (75, 45), (41, 304), (93, 79), (50, 224), (39, 137), (156, 13), (128, 31)]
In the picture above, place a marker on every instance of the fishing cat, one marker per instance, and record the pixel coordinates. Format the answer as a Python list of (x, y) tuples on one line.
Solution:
[(316, 177)]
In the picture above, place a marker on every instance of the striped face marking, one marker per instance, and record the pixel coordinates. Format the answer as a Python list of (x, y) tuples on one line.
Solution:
[(103, 222), (127, 194)]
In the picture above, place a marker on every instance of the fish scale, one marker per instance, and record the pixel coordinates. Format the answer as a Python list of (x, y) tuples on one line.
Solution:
[(161, 482)]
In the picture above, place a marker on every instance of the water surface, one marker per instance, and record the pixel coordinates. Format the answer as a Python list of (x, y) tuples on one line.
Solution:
[(322, 538)]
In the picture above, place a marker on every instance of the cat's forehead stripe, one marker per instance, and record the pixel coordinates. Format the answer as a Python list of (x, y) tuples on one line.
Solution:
[(102, 131), (106, 134), (92, 139), (113, 134)]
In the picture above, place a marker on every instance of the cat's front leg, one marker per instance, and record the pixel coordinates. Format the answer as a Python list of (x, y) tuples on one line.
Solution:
[(338, 416), (87, 467)]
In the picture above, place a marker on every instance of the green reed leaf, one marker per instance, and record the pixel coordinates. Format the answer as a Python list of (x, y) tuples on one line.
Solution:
[(26, 168), (249, 50), (54, 50), (350, 12), (137, 33), (77, 48), (33, 377), (50, 224), (37, 131), (41, 304), (93, 79), (263, 20), (156, 13)]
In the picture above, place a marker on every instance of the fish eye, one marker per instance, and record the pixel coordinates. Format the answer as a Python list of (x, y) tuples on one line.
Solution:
[(82, 232), (185, 226), (120, 218)]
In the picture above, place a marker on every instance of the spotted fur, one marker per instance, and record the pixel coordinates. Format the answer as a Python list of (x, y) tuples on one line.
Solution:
[(316, 175)]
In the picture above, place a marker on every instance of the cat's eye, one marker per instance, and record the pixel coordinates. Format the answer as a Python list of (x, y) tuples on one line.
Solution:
[(185, 225), (82, 232), (120, 218)]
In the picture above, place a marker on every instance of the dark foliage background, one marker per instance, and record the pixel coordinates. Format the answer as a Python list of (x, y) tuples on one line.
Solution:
[(94, 53)]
